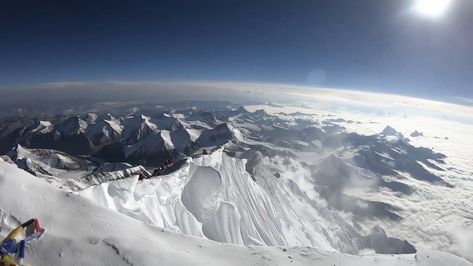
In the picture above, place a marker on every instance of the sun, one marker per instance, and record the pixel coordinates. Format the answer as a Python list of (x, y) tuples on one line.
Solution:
[(431, 8)]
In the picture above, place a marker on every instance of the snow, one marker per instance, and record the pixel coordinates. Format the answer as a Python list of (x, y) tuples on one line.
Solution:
[(82, 233), (106, 128), (43, 127), (115, 125), (138, 126), (213, 197), (193, 133), (166, 135), (52, 161), (91, 118)]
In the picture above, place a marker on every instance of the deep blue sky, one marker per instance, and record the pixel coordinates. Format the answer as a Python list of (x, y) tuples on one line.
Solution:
[(364, 44)]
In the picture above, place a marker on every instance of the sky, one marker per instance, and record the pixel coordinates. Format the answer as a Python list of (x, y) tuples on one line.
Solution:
[(372, 45)]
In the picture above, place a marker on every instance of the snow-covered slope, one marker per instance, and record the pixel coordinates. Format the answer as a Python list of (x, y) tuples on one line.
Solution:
[(105, 130), (51, 159), (82, 233), (138, 127), (214, 197), (42, 127), (71, 172), (53, 166)]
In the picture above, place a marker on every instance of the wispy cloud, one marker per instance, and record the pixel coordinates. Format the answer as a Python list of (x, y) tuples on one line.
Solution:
[(64, 85)]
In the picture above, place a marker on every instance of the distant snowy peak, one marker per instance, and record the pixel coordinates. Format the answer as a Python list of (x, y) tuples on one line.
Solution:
[(389, 131), (91, 118), (138, 127), (116, 138), (182, 140), (219, 135), (333, 163), (203, 117), (42, 127), (416, 133), (240, 110), (391, 134), (232, 114), (72, 126), (104, 130), (115, 124), (156, 147), (335, 174), (166, 122)]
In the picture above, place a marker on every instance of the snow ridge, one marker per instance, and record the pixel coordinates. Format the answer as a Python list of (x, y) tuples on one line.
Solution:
[(214, 197)]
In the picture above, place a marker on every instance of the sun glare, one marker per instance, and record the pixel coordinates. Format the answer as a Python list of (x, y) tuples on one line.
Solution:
[(431, 8)]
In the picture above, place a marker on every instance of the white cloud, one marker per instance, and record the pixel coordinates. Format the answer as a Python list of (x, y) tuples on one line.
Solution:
[(435, 217)]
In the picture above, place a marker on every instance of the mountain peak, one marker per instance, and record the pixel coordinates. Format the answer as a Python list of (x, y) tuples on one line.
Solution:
[(72, 126), (389, 131), (91, 118), (219, 135)]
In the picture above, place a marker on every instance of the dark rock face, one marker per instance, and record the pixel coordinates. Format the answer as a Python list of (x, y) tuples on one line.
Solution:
[(8, 140), (74, 144), (216, 136), (382, 244), (112, 153)]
